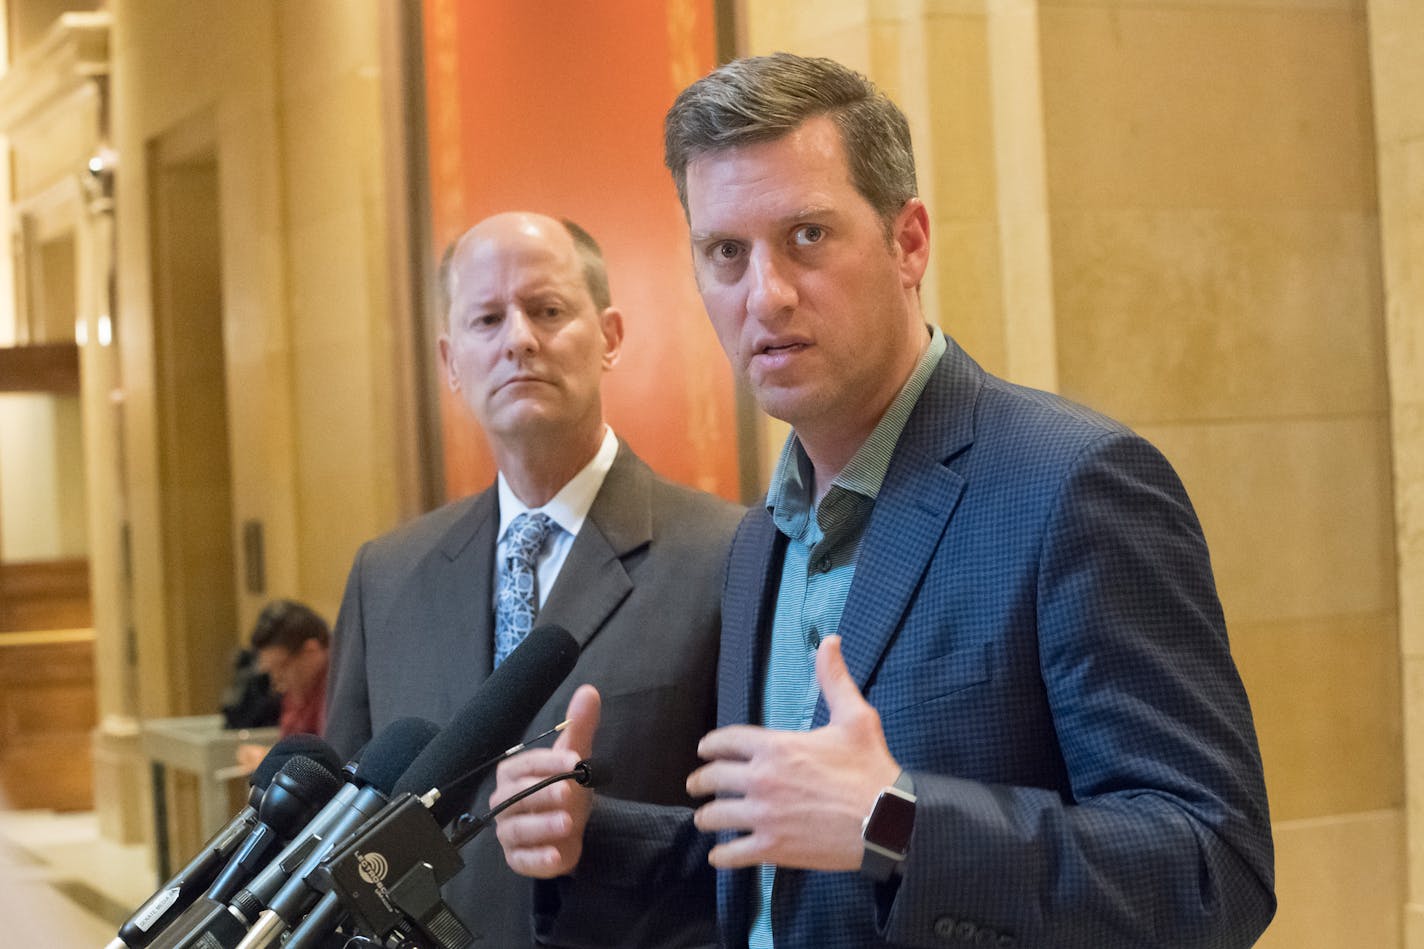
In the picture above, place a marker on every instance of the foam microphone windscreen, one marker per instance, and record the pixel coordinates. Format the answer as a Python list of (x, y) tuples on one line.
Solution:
[(292, 746), (309, 781), (387, 756), (493, 720)]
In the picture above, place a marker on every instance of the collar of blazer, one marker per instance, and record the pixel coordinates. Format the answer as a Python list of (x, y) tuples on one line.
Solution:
[(593, 580), (906, 529), (907, 525)]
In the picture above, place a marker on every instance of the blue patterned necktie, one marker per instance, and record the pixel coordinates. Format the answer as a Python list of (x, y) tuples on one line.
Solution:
[(517, 599)]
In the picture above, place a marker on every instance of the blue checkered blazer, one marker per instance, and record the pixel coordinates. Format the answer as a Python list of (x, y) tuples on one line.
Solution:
[(1034, 617)]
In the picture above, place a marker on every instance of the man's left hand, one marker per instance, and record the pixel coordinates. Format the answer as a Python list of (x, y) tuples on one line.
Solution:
[(800, 796)]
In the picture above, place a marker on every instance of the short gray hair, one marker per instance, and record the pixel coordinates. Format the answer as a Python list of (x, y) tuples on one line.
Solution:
[(762, 98), (595, 271)]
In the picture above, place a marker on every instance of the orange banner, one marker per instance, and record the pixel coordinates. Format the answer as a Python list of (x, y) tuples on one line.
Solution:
[(557, 108)]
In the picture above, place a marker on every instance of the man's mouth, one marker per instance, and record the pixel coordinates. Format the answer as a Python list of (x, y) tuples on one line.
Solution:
[(518, 380), (781, 348)]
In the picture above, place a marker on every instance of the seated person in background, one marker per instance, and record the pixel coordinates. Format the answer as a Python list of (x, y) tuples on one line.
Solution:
[(292, 644), (249, 700)]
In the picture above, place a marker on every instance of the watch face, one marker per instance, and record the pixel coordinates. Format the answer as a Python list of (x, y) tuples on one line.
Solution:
[(891, 822)]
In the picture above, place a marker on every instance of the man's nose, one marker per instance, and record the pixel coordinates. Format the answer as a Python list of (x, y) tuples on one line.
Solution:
[(771, 291), (519, 337)]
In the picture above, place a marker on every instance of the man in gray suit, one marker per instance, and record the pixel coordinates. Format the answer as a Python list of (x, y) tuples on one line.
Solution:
[(629, 563)]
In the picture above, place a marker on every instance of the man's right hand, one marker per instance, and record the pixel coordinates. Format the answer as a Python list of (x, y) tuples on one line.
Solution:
[(542, 835)]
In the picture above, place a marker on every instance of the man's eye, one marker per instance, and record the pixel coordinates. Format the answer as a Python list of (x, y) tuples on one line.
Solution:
[(725, 251), (488, 319), (551, 312), (808, 234)]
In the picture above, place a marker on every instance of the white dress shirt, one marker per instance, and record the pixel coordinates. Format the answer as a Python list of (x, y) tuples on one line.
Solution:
[(568, 510)]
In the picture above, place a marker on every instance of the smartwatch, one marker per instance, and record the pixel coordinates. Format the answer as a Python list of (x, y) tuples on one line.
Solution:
[(885, 833)]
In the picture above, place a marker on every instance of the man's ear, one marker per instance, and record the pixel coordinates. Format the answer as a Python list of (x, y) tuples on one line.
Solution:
[(911, 233), (452, 379), (611, 323)]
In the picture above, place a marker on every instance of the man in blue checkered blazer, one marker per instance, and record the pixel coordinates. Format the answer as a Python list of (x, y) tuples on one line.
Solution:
[(974, 684)]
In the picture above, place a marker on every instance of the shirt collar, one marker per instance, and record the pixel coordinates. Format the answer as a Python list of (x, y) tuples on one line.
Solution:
[(569, 508), (790, 497)]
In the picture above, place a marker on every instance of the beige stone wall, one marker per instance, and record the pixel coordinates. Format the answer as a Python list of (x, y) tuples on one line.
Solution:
[(1164, 208), (1167, 209), (1215, 252), (289, 96), (1397, 59)]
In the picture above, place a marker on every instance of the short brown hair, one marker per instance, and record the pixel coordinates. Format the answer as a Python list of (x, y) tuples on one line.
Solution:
[(288, 624), (762, 98)]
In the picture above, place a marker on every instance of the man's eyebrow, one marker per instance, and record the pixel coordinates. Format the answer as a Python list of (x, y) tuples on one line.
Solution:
[(808, 212)]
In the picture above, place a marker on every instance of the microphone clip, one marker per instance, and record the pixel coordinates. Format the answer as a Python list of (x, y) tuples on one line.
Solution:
[(466, 826)]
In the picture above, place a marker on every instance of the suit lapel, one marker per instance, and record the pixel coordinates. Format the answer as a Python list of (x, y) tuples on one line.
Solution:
[(462, 584), (748, 599), (911, 513), (593, 580)]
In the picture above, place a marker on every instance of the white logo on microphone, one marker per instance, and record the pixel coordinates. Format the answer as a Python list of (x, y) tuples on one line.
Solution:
[(372, 867)]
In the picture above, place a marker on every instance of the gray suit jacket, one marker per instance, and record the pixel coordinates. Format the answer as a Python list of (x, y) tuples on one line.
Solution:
[(639, 592)]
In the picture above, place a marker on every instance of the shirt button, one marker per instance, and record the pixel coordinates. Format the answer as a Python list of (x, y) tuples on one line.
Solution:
[(813, 638), (823, 564)]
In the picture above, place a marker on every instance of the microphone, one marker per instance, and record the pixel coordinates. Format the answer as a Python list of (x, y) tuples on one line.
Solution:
[(170, 900), (387, 876), (292, 746), (222, 925), (491, 721), (287, 895), (300, 790), (403, 846)]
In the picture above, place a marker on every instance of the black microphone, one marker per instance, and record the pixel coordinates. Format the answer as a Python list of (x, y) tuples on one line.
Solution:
[(493, 720), (300, 789), (287, 895), (387, 875), (292, 746), (170, 900), (215, 924)]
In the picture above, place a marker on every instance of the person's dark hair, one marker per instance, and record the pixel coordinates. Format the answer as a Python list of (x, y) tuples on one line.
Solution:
[(595, 271), (288, 624), (762, 98)]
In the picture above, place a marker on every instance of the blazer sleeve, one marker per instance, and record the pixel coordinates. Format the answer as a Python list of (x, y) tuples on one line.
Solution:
[(643, 880), (348, 708), (1162, 836)]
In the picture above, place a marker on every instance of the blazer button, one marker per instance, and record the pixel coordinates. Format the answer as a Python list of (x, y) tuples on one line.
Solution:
[(944, 927), (965, 931)]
